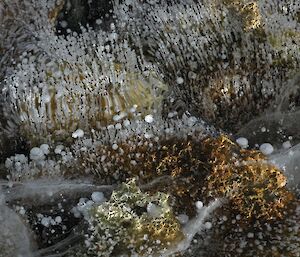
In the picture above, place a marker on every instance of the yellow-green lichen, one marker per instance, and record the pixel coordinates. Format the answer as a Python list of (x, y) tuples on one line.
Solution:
[(133, 222)]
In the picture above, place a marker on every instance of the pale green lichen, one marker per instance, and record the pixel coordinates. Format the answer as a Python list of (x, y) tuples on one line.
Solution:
[(133, 222)]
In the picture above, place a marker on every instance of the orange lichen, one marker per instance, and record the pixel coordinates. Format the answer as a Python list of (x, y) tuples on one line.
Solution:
[(255, 187), (191, 170)]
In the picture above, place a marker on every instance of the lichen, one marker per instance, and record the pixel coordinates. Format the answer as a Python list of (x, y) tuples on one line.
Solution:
[(194, 169), (103, 92), (255, 187), (133, 222)]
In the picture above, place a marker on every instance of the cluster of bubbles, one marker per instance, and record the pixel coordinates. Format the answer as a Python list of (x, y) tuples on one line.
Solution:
[(118, 122)]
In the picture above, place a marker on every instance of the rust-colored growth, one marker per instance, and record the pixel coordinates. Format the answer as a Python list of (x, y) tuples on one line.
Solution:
[(256, 188), (177, 166), (190, 170)]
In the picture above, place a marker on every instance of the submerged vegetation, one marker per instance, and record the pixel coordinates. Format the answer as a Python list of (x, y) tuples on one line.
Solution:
[(149, 128)]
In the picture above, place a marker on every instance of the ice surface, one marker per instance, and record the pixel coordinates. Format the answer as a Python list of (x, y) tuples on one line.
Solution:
[(15, 237), (289, 161), (195, 226)]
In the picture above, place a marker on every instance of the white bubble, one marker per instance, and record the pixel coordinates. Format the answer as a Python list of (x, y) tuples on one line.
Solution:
[(97, 197), (149, 118), (179, 80), (148, 135), (58, 149), (208, 225), (242, 142), (58, 219), (199, 205), (266, 148), (116, 117), (45, 222), (45, 148), (126, 123), (78, 133), (191, 121), (250, 235), (287, 145), (36, 154), (153, 210), (21, 158), (183, 218), (118, 126), (8, 163), (22, 211)]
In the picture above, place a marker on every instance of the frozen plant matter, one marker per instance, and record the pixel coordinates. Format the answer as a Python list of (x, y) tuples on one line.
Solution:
[(53, 98), (149, 128), (80, 82), (232, 56), (95, 155)]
